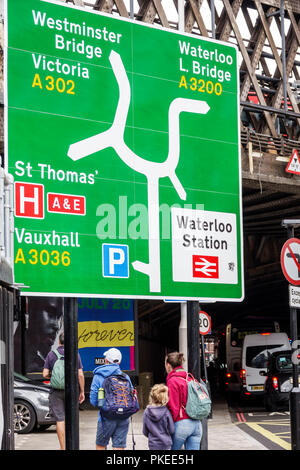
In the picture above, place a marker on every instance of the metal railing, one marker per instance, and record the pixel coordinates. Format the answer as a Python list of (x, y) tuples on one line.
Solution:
[(268, 144)]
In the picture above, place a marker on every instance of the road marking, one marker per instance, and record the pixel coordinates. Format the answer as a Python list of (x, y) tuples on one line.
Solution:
[(275, 423), (269, 435)]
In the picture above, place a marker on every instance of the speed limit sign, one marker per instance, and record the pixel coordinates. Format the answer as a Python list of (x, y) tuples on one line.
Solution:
[(204, 323)]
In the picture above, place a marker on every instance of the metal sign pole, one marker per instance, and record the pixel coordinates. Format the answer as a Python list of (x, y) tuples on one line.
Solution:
[(295, 393), (204, 440), (131, 10), (193, 339), (194, 365), (71, 374)]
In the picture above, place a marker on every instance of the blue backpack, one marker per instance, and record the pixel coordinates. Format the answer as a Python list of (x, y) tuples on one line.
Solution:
[(120, 397)]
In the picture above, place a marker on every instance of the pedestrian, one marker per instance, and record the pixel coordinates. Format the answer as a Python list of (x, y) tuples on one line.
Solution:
[(212, 377), (108, 428), (188, 432), (158, 424), (57, 395)]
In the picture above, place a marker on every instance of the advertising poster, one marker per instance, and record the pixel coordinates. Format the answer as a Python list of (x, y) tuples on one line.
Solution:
[(104, 324)]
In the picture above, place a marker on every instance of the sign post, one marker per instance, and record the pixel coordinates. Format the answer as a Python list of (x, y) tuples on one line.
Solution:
[(71, 374), (204, 329), (290, 257)]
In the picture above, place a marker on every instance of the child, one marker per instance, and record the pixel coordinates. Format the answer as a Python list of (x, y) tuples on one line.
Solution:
[(158, 424)]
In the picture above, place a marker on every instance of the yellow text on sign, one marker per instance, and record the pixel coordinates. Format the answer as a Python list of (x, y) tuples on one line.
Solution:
[(93, 334)]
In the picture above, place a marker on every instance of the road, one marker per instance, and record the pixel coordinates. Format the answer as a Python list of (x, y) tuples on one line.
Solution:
[(272, 429)]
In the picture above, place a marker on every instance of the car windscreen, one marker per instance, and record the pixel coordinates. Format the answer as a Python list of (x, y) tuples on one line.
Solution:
[(257, 356), (284, 363), (21, 377)]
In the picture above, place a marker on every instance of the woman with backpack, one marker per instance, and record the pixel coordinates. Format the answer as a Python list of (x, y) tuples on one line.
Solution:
[(188, 432)]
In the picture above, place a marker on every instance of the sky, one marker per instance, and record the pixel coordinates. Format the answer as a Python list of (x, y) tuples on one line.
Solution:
[(172, 16)]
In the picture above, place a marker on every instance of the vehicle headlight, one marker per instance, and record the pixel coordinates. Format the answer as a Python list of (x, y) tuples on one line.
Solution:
[(44, 396), (286, 386)]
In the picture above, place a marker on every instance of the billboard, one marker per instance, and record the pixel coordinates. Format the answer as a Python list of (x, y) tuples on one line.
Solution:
[(104, 324)]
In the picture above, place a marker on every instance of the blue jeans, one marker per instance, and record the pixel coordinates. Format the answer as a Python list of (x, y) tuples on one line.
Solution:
[(188, 432)]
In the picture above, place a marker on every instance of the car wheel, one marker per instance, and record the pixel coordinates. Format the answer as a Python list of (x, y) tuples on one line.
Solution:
[(24, 417)]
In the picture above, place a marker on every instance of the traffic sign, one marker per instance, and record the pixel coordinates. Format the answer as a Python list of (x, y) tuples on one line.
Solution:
[(290, 261), (294, 164), (294, 296), (204, 323), (123, 140)]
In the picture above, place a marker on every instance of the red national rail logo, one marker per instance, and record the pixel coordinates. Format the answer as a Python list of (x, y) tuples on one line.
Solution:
[(206, 266)]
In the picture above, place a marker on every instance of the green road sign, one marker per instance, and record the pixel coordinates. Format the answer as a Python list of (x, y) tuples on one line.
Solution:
[(123, 139)]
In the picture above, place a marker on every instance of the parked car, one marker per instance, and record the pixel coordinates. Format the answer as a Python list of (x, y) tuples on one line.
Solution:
[(279, 377), (31, 405), (255, 352)]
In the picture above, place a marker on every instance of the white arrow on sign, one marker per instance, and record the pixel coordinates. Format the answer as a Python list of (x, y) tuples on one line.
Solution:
[(154, 171), (206, 266)]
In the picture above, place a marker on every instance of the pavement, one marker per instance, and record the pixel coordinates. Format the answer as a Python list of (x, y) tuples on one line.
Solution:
[(223, 434)]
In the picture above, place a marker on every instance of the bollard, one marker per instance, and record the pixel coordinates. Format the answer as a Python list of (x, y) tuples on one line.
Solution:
[(295, 418)]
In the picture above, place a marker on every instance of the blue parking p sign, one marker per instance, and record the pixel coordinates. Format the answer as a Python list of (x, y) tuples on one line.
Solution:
[(115, 260)]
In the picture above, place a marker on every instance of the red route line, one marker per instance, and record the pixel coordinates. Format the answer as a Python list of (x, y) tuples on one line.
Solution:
[(293, 256), (241, 417)]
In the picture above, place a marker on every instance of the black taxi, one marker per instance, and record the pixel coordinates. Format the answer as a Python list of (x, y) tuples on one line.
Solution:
[(279, 380)]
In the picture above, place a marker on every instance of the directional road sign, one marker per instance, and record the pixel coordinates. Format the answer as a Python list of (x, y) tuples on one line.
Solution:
[(123, 139), (290, 261)]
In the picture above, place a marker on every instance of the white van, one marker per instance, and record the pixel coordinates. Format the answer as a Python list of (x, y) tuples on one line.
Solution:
[(255, 352)]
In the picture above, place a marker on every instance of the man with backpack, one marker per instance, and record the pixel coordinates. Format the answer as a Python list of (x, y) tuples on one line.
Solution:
[(54, 369), (112, 391)]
